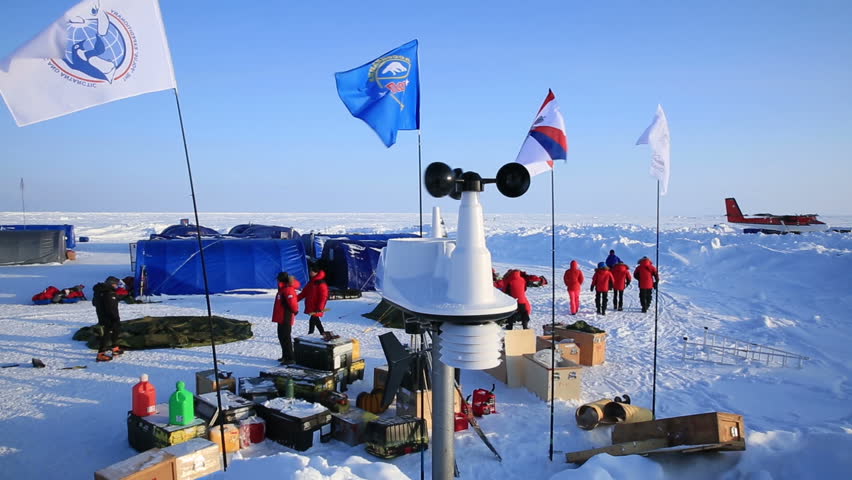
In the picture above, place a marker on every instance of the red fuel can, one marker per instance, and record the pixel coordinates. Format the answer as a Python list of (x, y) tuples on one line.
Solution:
[(144, 397)]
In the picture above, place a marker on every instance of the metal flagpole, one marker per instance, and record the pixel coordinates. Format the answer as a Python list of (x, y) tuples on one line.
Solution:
[(23, 207), (552, 307), (656, 309), (419, 183), (206, 287)]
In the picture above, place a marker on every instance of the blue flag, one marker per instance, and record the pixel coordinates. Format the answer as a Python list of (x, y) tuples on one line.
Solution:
[(385, 92)]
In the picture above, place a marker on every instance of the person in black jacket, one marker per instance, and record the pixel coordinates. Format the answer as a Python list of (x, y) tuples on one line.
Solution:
[(105, 301)]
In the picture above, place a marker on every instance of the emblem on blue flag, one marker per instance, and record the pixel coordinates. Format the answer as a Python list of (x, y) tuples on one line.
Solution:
[(384, 93)]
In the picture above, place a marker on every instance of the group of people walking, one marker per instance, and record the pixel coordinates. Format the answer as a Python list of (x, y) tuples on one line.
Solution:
[(612, 274), (315, 295)]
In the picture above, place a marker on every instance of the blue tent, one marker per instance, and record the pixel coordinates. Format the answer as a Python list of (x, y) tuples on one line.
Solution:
[(68, 231), (351, 264), (173, 267), (264, 231), (314, 242), (184, 231)]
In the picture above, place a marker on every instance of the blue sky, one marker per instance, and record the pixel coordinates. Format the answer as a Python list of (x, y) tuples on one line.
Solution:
[(757, 96)]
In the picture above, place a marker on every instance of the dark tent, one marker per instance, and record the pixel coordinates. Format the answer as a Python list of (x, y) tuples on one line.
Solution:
[(184, 231), (387, 314), (264, 231), (351, 264), (68, 231), (170, 332), (22, 247), (173, 267), (314, 242)]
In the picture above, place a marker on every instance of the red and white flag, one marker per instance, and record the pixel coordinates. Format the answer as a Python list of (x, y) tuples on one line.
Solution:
[(546, 140)]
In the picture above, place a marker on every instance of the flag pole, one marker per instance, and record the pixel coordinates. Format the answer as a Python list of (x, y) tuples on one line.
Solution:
[(204, 276), (23, 207), (419, 183), (552, 307), (656, 309)]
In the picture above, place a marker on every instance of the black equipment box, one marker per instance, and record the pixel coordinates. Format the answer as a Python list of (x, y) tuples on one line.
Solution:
[(257, 389), (314, 352), (292, 422), (236, 408), (308, 383), (154, 431), (396, 436)]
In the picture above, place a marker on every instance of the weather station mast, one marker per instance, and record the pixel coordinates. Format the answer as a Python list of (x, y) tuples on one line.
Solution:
[(447, 285)]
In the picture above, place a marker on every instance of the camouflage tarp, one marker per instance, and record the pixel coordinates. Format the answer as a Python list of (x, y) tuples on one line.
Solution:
[(170, 332)]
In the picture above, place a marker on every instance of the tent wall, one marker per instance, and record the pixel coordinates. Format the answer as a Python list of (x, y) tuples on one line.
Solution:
[(352, 264), (23, 247), (68, 230), (173, 267)]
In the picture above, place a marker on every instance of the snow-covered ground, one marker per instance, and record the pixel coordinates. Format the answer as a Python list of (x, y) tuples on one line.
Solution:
[(791, 292)]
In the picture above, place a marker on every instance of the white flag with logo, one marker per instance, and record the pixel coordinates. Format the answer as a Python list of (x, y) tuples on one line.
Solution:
[(657, 136), (97, 52)]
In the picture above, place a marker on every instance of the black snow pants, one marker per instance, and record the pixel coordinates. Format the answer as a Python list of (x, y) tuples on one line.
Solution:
[(601, 299)]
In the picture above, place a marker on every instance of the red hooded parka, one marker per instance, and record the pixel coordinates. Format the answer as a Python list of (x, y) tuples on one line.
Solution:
[(620, 276), (573, 277), (646, 274), (315, 295)]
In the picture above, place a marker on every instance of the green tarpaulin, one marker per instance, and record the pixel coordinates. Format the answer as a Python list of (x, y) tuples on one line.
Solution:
[(170, 332)]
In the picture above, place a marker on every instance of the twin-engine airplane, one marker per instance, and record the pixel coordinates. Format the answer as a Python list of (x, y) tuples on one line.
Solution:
[(768, 223)]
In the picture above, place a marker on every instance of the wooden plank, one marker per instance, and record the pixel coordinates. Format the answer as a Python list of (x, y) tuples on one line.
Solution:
[(617, 450), (700, 429)]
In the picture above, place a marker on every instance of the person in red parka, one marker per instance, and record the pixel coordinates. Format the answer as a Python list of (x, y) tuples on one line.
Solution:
[(499, 283), (284, 314), (516, 287), (620, 280), (647, 276), (315, 295), (601, 285), (574, 279)]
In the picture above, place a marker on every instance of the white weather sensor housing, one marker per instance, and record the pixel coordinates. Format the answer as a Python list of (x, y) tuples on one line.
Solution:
[(449, 281)]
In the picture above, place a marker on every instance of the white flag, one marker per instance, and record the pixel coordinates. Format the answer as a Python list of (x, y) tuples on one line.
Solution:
[(657, 136), (97, 52)]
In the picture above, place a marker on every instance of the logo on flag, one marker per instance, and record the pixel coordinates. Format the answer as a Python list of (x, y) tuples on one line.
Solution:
[(100, 46), (385, 92), (546, 140), (88, 57)]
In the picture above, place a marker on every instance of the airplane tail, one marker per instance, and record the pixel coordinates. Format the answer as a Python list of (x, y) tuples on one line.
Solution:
[(734, 212)]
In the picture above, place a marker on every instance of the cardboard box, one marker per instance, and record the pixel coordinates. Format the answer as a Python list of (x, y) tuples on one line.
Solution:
[(567, 348), (701, 429), (154, 431), (567, 382), (205, 382), (153, 464), (592, 345), (408, 403), (195, 458), (232, 437), (516, 344)]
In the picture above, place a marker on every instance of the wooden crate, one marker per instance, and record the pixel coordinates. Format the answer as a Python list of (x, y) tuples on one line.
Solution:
[(567, 382), (195, 458), (511, 370), (711, 428), (152, 464), (592, 345), (569, 350)]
